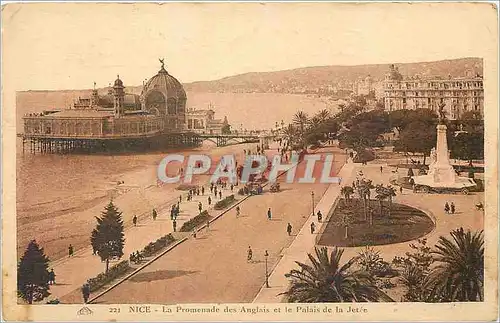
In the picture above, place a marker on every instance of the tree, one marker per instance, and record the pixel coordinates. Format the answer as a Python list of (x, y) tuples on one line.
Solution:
[(226, 129), (325, 280), (33, 274), (390, 192), (346, 221), (381, 195), (468, 146), (301, 120), (108, 238), (363, 187), (459, 275), (417, 137), (347, 191)]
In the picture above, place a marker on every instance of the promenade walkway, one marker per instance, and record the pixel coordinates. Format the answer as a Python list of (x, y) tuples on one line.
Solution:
[(304, 242), (72, 273)]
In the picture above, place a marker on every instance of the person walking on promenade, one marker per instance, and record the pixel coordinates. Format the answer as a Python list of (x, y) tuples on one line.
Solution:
[(269, 214), (381, 169), (198, 191), (86, 292), (401, 190), (208, 225), (232, 187), (447, 208), (289, 229), (211, 188), (200, 206), (180, 198), (452, 208), (209, 201), (249, 254), (172, 212), (313, 227), (340, 180), (215, 191), (174, 225), (237, 211), (70, 250), (220, 195), (134, 220), (52, 277), (194, 233), (203, 190), (154, 214), (320, 216)]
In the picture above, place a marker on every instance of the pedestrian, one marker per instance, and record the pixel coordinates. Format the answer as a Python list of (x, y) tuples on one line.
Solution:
[(401, 190), (172, 212), (353, 185), (203, 190), (220, 195), (211, 188), (194, 233), (198, 191), (134, 220), (232, 186), (452, 208), (447, 207), (199, 206), (269, 214), (174, 225), (237, 211), (320, 216), (215, 191), (209, 201), (180, 198), (208, 224), (70, 250), (249, 254), (380, 169), (86, 292), (340, 180), (289, 229), (313, 227), (52, 277), (154, 214)]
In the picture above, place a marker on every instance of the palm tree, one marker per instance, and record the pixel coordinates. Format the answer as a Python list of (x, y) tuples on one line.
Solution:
[(459, 275), (323, 115), (381, 195), (326, 281), (301, 120), (390, 193), (347, 191), (364, 186)]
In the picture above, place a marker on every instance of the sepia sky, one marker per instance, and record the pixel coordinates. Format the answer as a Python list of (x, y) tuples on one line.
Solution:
[(68, 46)]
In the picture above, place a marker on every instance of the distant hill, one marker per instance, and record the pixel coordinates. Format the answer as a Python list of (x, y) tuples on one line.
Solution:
[(311, 78)]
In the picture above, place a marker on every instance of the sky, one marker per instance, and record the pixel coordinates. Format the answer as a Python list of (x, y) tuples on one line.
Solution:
[(69, 46)]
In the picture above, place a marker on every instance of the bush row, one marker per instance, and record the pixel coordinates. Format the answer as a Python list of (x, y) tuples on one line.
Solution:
[(224, 203), (114, 272), (196, 221), (154, 247)]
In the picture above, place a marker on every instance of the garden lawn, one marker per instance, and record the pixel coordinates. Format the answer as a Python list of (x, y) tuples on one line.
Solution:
[(404, 224)]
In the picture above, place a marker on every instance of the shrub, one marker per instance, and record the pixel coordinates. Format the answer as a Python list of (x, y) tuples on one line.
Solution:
[(224, 203), (114, 272), (185, 187), (153, 247), (370, 260), (364, 156), (196, 221)]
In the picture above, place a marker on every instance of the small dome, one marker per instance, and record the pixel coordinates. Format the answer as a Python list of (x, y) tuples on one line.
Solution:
[(118, 82)]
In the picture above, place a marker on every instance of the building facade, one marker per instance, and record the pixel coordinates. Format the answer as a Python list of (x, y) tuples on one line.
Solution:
[(459, 95), (204, 122)]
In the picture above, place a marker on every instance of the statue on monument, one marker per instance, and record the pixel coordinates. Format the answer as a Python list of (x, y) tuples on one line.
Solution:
[(442, 113)]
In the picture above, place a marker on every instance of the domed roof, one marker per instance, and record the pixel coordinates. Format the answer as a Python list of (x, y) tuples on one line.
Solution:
[(118, 82), (165, 83)]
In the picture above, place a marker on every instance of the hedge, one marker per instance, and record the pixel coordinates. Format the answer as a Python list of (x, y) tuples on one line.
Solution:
[(224, 203), (114, 272), (196, 221), (154, 247)]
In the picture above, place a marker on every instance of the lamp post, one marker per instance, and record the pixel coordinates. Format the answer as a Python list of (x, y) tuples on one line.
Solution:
[(312, 196), (267, 275)]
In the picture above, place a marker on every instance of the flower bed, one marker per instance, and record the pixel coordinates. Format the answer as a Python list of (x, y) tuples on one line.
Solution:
[(186, 187), (196, 221), (114, 272), (153, 247), (224, 203)]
